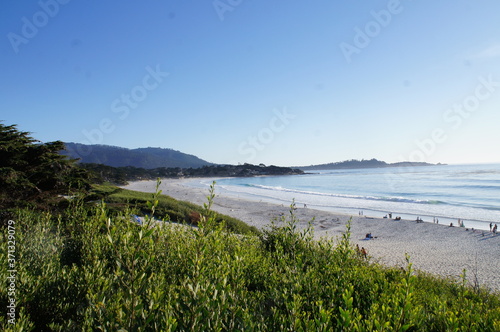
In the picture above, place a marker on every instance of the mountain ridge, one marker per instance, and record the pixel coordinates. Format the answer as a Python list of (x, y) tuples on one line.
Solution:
[(156, 157), (148, 158)]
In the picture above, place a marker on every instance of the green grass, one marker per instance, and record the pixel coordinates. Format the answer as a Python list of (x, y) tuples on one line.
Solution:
[(168, 208), (92, 269)]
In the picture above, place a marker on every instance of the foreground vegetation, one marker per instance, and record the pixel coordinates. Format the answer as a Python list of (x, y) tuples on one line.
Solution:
[(93, 269)]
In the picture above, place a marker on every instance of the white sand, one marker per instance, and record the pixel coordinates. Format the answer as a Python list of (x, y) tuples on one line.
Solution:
[(433, 248)]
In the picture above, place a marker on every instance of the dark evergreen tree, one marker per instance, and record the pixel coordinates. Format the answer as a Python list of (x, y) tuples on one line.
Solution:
[(31, 171)]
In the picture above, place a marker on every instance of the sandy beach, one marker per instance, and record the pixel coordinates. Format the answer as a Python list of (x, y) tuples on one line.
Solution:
[(433, 248)]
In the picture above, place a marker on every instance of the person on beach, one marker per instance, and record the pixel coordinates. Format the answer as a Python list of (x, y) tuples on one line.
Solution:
[(491, 226), (369, 236), (363, 252), (495, 229)]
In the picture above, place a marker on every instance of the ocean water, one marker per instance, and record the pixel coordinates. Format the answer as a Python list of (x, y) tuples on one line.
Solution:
[(445, 192)]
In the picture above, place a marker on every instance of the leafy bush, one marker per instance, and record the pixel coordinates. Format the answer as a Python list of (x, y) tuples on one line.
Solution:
[(92, 269)]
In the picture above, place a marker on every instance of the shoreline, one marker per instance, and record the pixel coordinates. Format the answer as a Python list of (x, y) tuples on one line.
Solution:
[(338, 208), (434, 248)]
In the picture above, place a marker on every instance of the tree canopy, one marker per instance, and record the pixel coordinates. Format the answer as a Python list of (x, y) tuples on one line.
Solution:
[(31, 171)]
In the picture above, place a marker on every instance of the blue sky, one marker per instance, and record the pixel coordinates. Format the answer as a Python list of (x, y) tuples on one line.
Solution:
[(272, 82)]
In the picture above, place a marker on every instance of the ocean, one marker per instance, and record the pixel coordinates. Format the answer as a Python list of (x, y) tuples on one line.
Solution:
[(446, 192)]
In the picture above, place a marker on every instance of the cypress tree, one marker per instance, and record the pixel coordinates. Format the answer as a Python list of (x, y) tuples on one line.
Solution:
[(34, 172)]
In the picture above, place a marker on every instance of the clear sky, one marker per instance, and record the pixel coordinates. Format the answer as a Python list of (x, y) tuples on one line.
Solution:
[(274, 82)]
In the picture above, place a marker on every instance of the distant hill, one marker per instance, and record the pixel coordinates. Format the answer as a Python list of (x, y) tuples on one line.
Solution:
[(353, 164), (121, 157)]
